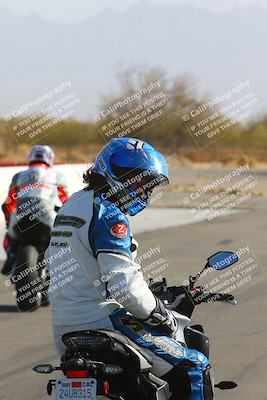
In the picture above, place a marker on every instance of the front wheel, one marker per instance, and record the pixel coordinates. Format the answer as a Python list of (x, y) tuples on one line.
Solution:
[(26, 279)]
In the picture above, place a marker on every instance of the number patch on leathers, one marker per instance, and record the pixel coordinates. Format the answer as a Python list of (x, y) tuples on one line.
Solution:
[(119, 230)]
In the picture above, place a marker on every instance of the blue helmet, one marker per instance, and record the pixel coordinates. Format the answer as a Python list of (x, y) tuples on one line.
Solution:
[(132, 169)]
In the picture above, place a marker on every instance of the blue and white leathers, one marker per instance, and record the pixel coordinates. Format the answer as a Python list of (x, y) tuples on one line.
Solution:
[(94, 277), (166, 352), (91, 258)]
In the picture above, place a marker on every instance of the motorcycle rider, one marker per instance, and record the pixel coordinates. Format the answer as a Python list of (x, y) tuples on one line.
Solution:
[(99, 250), (29, 208)]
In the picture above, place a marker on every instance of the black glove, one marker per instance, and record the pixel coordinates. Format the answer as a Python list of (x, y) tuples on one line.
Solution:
[(162, 319)]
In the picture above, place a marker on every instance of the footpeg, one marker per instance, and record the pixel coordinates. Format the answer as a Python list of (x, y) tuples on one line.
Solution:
[(226, 385)]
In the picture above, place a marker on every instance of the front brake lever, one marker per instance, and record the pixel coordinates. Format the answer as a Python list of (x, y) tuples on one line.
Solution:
[(195, 293)]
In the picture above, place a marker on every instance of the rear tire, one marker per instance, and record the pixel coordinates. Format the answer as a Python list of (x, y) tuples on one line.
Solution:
[(26, 279)]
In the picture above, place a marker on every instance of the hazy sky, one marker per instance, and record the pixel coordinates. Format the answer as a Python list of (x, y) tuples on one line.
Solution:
[(73, 10)]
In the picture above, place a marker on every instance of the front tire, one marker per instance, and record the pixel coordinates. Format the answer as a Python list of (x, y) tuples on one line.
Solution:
[(26, 279)]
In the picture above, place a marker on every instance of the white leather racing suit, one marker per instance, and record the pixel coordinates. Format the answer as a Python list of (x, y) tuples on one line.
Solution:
[(94, 279), (34, 193), (96, 234)]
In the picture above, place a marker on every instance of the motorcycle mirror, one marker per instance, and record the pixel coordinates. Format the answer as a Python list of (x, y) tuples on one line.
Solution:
[(222, 260), (218, 261), (44, 369)]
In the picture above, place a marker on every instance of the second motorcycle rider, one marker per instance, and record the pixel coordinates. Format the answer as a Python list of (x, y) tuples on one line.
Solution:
[(30, 204)]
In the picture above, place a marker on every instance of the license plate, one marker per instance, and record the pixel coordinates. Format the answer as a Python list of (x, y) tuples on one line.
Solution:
[(75, 389)]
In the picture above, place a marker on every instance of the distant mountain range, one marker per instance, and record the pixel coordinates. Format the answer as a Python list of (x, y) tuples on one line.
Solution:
[(219, 49)]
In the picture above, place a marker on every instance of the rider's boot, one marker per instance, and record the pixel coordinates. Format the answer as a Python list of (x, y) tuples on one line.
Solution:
[(11, 248)]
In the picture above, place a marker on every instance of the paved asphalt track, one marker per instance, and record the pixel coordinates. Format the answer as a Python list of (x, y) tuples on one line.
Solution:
[(238, 333)]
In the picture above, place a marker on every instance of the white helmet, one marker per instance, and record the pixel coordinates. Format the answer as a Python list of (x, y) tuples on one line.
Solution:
[(41, 153)]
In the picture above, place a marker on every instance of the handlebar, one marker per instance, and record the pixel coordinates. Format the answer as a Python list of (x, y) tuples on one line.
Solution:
[(196, 297), (183, 299), (201, 297), (222, 296)]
